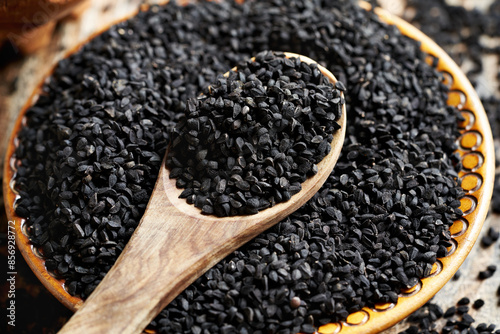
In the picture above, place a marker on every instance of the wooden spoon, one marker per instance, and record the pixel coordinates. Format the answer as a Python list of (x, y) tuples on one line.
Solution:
[(175, 244)]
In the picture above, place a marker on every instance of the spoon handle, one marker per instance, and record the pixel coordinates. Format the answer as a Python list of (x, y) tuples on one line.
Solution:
[(174, 245), (166, 254)]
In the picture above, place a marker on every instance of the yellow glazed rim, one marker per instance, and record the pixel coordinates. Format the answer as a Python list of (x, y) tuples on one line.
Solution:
[(477, 176), (475, 146)]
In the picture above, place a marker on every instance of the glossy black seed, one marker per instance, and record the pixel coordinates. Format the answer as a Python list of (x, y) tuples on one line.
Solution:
[(490, 270), (478, 303), (467, 320), (21, 211), (491, 236), (463, 301), (450, 312), (486, 241), (308, 328), (462, 309)]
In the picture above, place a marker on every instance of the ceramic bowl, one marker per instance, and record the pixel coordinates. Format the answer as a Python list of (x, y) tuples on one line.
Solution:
[(477, 179)]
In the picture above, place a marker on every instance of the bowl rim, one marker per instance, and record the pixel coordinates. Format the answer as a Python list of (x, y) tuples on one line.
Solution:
[(33, 257), (475, 204), (368, 320)]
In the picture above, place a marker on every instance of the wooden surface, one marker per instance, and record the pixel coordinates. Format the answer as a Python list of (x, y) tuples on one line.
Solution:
[(20, 77), (30, 23)]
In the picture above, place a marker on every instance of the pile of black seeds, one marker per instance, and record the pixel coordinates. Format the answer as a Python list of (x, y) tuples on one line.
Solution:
[(471, 31), (93, 144), (256, 136), (95, 140), (466, 35)]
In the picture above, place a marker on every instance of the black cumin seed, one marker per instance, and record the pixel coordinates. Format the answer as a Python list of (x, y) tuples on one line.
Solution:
[(478, 303)]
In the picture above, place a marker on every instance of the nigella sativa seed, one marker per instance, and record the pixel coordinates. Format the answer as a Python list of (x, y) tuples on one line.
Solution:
[(255, 136)]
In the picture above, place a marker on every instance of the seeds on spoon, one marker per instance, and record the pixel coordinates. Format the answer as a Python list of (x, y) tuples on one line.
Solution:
[(256, 136)]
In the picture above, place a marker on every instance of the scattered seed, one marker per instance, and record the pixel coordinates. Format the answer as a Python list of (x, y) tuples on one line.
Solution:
[(490, 270), (478, 303)]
